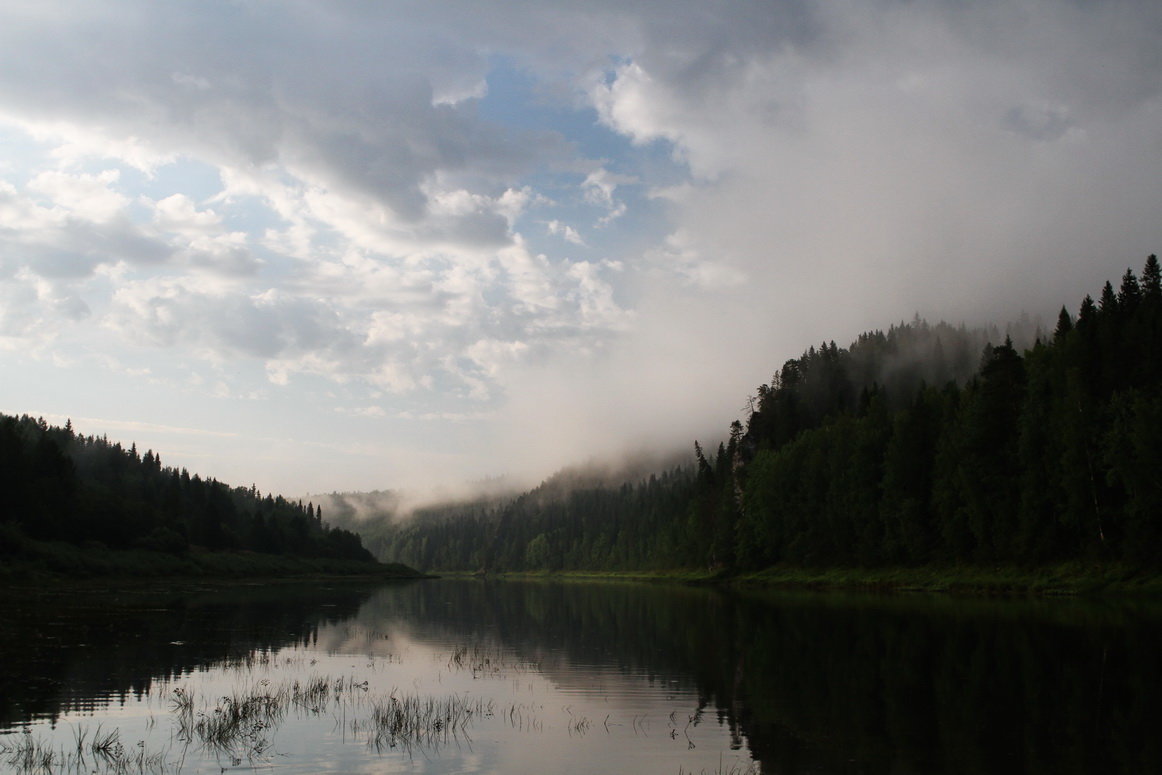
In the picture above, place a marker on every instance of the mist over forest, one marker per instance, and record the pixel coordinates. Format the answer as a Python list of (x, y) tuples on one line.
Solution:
[(924, 443), (931, 353)]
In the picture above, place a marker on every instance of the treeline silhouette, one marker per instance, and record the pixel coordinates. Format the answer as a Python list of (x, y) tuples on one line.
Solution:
[(924, 444), (58, 485)]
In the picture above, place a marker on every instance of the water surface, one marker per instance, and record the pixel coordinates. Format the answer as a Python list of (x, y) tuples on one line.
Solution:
[(513, 677)]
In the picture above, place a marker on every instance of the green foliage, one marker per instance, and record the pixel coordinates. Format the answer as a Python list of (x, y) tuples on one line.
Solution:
[(87, 491), (596, 527), (927, 444), (1043, 457)]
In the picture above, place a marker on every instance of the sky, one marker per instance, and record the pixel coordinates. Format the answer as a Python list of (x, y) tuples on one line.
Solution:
[(342, 245)]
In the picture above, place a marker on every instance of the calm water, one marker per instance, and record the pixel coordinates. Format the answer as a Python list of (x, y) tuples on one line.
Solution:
[(513, 677)]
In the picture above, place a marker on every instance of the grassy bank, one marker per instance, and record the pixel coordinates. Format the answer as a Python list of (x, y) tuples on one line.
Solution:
[(1072, 579), (24, 561), (1075, 578), (680, 576)]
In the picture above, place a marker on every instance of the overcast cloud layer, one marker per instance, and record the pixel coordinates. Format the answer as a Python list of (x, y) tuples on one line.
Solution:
[(341, 245)]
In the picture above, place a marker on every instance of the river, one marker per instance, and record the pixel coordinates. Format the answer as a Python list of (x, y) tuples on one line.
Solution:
[(470, 676)]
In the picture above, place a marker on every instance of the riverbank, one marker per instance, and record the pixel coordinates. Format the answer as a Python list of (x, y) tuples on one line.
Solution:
[(33, 562), (1067, 579)]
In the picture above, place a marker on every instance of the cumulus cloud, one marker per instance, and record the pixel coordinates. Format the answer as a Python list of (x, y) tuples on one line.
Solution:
[(599, 187), (178, 213), (564, 230), (749, 179), (87, 197)]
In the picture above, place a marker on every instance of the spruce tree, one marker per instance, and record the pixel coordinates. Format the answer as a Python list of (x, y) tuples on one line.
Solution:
[(1064, 325), (1152, 280)]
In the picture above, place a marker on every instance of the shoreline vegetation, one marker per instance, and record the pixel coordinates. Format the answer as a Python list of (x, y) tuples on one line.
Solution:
[(26, 561), (81, 507), (34, 562), (1075, 579)]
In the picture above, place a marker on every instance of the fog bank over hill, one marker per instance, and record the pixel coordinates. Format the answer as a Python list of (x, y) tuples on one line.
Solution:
[(357, 509), (897, 361)]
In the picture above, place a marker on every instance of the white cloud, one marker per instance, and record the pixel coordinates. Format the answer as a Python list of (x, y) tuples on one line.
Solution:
[(73, 143), (632, 104), (178, 213), (368, 221), (599, 187), (564, 230), (87, 197), (513, 202), (594, 295)]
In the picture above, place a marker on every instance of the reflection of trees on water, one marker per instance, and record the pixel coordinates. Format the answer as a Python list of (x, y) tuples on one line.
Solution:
[(71, 650), (813, 683), (832, 684), (975, 688)]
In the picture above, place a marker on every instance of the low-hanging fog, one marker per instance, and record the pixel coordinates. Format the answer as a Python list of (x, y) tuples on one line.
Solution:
[(352, 246)]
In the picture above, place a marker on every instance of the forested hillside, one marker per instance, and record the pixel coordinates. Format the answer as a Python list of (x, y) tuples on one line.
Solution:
[(593, 526), (924, 444), (60, 486)]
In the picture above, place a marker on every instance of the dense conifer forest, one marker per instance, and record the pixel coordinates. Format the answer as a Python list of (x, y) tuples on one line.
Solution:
[(924, 444), (58, 485), (927, 444)]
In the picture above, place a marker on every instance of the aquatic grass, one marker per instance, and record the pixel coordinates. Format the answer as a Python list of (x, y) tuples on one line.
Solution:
[(749, 768), (238, 724), (579, 725), (27, 754), (487, 662), (410, 721), (104, 754), (80, 733), (522, 716), (106, 746), (241, 724), (112, 756), (317, 693), (182, 701)]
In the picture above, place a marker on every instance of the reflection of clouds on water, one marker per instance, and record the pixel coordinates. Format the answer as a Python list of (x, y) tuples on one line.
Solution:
[(534, 702), (557, 695), (428, 678), (584, 678)]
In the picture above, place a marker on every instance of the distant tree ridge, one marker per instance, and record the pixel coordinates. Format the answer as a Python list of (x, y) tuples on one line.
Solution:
[(58, 485), (924, 444)]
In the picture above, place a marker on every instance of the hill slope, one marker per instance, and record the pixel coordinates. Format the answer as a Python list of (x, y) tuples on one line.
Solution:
[(96, 496), (924, 444)]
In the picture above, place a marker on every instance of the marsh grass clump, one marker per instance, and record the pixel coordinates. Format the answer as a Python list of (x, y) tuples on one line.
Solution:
[(411, 721), (314, 694), (485, 662), (24, 753), (181, 701), (102, 753), (579, 725), (240, 726), (523, 717), (239, 723), (749, 768)]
